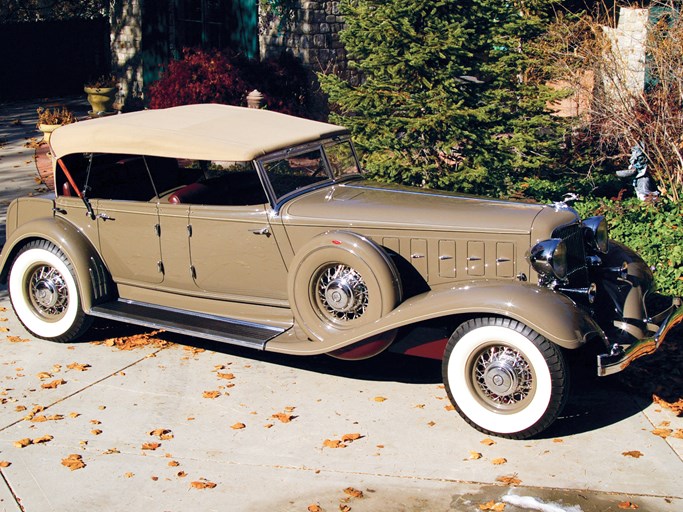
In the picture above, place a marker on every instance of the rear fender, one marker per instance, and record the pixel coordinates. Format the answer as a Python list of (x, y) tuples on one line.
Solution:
[(92, 277)]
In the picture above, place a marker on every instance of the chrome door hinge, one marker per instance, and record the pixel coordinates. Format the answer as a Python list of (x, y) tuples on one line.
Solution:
[(160, 267), (193, 272), (157, 229)]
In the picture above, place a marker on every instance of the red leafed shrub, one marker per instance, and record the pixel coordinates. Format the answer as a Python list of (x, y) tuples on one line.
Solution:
[(212, 76)]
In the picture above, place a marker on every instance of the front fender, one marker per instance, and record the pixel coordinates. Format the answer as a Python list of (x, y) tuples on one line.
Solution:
[(92, 276), (549, 313)]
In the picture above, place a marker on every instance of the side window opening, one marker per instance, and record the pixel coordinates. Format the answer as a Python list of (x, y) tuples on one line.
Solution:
[(220, 184), (292, 172)]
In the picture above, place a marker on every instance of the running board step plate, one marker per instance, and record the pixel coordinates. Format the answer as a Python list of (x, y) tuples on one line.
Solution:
[(226, 330)]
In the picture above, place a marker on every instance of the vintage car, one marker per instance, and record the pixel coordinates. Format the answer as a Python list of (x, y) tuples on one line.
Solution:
[(259, 229)]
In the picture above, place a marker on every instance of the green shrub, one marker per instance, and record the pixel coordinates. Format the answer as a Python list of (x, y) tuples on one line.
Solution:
[(653, 230)]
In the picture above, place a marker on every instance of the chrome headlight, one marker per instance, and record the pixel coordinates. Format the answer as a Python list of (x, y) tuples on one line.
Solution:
[(596, 233), (549, 258)]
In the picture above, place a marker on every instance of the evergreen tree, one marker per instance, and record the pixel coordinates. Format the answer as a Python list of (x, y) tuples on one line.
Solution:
[(450, 95)]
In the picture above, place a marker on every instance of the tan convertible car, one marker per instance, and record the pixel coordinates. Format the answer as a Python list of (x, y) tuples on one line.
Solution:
[(259, 229)]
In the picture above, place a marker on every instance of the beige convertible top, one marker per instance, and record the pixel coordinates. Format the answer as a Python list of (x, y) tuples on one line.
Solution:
[(202, 132)]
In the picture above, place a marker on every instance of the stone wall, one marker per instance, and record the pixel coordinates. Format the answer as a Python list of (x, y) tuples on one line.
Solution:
[(310, 32), (627, 56)]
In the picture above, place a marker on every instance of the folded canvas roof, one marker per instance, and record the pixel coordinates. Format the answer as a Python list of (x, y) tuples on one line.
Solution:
[(202, 132)]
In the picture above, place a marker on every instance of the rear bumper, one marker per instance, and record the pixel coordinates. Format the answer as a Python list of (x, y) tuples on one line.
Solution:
[(623, 355)]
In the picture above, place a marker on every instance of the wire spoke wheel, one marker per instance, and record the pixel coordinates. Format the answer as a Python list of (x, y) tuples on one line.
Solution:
[(341, 293), (502, 378), (48, 292)]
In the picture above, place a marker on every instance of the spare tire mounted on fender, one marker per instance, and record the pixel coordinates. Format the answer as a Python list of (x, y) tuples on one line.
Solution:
[(340, 281)]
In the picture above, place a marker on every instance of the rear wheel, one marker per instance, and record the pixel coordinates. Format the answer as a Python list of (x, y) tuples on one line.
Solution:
[(504, 378), (44, 294)]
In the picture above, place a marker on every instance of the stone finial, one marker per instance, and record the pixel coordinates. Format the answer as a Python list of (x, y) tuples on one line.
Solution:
[(255, 99)]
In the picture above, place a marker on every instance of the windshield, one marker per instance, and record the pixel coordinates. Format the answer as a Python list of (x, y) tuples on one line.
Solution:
[(342, 159)]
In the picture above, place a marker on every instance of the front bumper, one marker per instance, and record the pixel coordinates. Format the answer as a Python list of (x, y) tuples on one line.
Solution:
[(623, 355)]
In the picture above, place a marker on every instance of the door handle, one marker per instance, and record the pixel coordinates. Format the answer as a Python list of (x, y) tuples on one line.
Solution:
[(104, 216), (262, 231)]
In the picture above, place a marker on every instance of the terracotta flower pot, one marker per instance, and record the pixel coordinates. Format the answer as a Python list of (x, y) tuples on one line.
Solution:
[(101, 99)]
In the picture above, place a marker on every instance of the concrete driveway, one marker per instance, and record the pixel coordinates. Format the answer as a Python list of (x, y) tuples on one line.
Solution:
[(128, 421)]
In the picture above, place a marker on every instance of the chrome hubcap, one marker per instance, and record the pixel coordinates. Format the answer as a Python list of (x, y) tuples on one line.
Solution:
[(342, 293), (48, 292), (502, 377)]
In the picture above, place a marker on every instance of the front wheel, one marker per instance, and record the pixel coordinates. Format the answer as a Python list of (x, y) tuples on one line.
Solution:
[(44, 294), (504, 378)]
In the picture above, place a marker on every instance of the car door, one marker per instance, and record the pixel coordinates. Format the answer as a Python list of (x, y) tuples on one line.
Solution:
[(234, 253)]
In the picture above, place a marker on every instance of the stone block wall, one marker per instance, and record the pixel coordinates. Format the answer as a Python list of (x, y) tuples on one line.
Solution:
[(126, 48), (310, 33), (627, 56)]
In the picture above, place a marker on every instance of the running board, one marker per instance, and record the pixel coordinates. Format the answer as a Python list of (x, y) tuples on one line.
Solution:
[(225, 330)]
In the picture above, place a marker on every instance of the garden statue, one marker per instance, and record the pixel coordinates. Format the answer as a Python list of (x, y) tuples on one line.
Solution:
[(642, 181)]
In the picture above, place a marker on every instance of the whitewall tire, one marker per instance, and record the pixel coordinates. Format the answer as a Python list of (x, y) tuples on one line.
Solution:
[(44, 294), (504, 378)]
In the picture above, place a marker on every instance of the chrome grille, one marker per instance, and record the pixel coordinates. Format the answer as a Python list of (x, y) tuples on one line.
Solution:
[(572, 234)]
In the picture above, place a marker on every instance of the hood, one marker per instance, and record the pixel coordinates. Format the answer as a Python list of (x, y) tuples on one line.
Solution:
[(366, 204)]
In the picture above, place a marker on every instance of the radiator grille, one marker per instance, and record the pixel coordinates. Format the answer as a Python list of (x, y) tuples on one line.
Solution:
[(572, 234)]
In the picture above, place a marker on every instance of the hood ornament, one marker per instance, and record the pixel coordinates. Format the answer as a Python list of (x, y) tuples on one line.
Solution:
[(566, 202)]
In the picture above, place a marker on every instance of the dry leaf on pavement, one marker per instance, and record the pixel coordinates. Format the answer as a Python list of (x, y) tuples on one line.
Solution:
[(53, 384), (509, 479), (78, 366), (283, 417), (333, 443), (5, 464), (676, 407), (150, 446), (628, 505), (238, 426), (380, 399), (314, 508), (354, 493), (488, 441), (211, 394), (348, 438), (498, 462), (474, 455), (493, 506), (162, 433), (662, 432), (226, 376), (633, 453), (202, 483), (73, 462)]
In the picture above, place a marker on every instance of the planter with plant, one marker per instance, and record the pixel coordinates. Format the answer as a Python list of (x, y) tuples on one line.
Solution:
[(51, 118), (101, 94)]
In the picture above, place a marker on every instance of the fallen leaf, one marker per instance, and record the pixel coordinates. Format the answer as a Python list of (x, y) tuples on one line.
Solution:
[(488, 441), (268, 425), (449, 407), (41, 418), (96, 422), (558, 440), (181, 474), (5, 464), (628, 505), (333, 443), (474, 455), (4, 329), (44, 375), (74, 414), (162, 433), (238, 426), (431, 424), (662, 432), (509, 479), (16, 339), (22, 443), (78, 367), (173, 463), (53, 384), (226, 376), (344, 508), (154, 478), (420, 406), (211, 394), (354, 493), (202, 483), (283, 417), (111, 451), (678, 433), (150, 446), (129, 475), (314, 508), (493, 506), (379, 399), (634, 453), (348, 438), (73, 462), (135, 341), (498, 462), (20, 408), (96, 432), (676, 407)]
